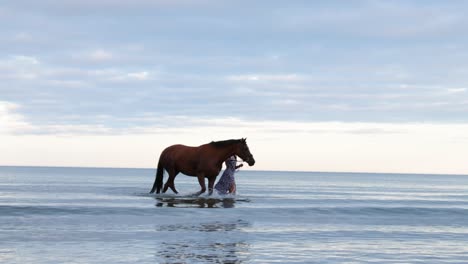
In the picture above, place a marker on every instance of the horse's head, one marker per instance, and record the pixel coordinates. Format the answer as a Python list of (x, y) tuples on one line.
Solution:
[(243, 152)]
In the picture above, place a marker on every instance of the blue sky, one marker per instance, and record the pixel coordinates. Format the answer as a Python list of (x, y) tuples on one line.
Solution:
[(146, 67)]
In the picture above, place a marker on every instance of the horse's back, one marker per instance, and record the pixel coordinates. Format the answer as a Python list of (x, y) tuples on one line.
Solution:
[(178, 152), (185, 159), (179, 148)]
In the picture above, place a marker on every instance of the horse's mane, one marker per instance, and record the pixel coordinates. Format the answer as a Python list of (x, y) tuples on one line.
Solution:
[(224, 143)]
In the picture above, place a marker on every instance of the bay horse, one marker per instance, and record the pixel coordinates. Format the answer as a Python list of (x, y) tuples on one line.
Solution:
[(204, 161)]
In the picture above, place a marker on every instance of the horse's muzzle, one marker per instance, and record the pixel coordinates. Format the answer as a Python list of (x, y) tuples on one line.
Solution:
[(251, 161)]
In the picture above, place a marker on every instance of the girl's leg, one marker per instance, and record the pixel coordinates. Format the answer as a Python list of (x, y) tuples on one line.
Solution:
[(232, 189)]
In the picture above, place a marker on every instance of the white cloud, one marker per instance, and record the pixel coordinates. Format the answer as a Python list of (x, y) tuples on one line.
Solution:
[(286, 102), (112, 4), (120, 75), (23, 37), (266, 77), (144, 75), (25, 60), (19, 61), (130, 76), (74, 129), (67, 83), (10, 121), (456, 90), (379, 18), (20, 67), (100, 55), (13, 123)]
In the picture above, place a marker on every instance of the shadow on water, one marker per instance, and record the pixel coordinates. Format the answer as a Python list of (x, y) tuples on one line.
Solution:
[(206, 227), (203, 253), (198, 202), (214, 242)]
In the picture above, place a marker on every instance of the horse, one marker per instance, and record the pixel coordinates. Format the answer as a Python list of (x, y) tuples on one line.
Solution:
[(204, 161)]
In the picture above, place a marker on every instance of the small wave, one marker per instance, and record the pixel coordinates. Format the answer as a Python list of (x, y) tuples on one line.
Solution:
[(373, 211), (6, 210), (407, 211), (454, 216)]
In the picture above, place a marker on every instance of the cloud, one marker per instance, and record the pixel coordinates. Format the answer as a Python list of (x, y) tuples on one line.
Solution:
[(14, 123), (24, 60), (456, 90), (10, 121), (115, 75), (267, 77), (19, 61), (23, 37), (144, 75), (101, 55), (19, 67), (308, 146), (396, 19), (60, 8), (300, 61)]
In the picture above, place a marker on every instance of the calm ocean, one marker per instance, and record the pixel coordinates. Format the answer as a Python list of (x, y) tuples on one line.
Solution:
[(88, 215)]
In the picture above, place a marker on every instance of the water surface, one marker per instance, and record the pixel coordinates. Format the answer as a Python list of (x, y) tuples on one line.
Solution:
[(87, 215)]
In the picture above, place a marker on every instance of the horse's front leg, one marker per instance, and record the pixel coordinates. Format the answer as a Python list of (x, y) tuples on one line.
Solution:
[(211, 182), (201, 181)]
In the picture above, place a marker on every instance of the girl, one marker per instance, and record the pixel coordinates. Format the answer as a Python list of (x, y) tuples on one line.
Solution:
[(227, 183)]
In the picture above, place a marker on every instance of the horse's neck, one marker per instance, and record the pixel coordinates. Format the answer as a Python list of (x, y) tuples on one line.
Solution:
[(225, 153)]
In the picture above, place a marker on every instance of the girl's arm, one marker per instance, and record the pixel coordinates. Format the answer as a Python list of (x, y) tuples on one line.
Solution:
[(238, 166)]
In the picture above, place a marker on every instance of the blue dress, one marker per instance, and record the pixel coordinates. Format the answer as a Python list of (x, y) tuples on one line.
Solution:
[(227, 179)]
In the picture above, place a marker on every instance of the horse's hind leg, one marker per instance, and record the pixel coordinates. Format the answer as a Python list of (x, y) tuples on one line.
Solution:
[(173, 188), (170, 182)]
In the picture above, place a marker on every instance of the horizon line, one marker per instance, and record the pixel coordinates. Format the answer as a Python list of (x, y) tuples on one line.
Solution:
[(293, 171)]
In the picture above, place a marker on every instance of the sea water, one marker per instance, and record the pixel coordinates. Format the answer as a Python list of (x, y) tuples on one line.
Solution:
[(89, 215)]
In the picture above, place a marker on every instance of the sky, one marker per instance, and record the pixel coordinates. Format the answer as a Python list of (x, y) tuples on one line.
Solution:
[(340, 86)]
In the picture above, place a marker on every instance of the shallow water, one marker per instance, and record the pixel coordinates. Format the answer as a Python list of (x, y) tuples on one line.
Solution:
[(78, 215)]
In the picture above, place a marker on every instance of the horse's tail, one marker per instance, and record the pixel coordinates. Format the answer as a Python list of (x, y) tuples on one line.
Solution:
[(158, 182)]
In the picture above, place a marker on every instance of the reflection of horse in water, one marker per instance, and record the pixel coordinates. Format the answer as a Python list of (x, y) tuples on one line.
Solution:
[(204, 161), (198, 202), (222, 241)]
